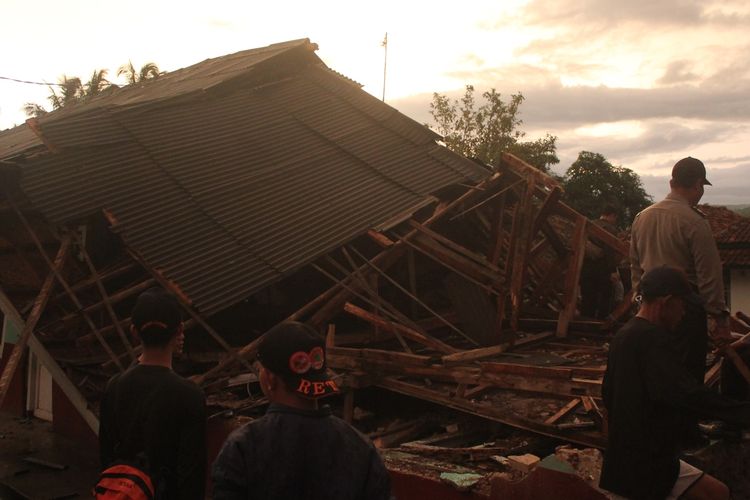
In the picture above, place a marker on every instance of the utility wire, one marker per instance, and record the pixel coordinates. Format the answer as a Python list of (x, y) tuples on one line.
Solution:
[(33, 83)]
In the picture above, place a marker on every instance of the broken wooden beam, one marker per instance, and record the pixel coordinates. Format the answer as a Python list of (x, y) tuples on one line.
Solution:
[(562, 411), (36, 312), (411, 334), (501, 415), (578, 244)]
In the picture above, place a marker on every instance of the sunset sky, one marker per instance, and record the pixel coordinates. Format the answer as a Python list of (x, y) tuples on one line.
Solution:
[(642, 82)]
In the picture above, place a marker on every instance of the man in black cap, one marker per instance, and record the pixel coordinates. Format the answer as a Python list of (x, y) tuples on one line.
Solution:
[(298, 450), (646, 389), (599, 271), (673, 232), (149, 415)]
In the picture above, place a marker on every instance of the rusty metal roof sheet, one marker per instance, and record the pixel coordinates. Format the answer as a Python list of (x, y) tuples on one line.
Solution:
[(17, 140), (226, 192)]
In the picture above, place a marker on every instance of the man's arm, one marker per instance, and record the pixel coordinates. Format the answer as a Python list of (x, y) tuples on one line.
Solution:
[(106, 436), (378, 484), (229, 472), (709, 274), (668, 381), (636, 271)]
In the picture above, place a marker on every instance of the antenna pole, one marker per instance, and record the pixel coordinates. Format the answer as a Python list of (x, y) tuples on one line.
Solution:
[(385, 60)]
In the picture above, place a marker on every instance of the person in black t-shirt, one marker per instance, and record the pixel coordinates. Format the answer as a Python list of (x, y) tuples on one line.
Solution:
[(647, 389), (151, 416), (298, 450)]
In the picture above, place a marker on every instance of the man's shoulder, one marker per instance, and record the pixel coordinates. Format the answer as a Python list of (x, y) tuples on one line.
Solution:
[(640, 331)]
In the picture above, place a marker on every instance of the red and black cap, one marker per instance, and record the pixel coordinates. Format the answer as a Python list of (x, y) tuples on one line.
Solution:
[(295, 352)]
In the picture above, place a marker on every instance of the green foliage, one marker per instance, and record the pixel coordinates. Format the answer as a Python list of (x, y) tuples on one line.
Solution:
[(487, 130), (540, 153), (72, 90), (592, 182)]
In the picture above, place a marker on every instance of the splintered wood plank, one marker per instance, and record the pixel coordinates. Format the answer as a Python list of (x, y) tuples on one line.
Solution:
[(525, 237), (411, 334), (490, 412), (548, 207), (36, 312), (497, 235), (475, 391), (379, 238), (107, 301), (595, 231), (713, 375), (481, 274), (331, 336), (563, 411), (570, 301), (475, 354)]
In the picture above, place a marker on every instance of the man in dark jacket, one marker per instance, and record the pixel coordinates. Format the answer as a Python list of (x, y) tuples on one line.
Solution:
[(599, 271), (298, 450), (646, 389), (149, 415)]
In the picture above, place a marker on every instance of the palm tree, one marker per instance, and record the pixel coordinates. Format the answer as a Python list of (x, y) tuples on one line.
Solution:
[(70, 90), (148, 71), (34, 110), (96, 84)]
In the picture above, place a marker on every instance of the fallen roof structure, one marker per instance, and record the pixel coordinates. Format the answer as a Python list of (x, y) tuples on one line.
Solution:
[(263, 186)]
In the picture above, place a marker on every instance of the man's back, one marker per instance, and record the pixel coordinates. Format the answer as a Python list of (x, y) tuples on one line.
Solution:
[(151, 411), (299, 454), (672, 233)]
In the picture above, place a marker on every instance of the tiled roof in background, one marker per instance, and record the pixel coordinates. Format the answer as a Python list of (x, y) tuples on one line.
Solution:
[(732, 233)]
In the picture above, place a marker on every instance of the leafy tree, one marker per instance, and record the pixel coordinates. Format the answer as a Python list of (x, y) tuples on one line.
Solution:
[(540, 153), (148, 71), (487, 130), (592, 182)]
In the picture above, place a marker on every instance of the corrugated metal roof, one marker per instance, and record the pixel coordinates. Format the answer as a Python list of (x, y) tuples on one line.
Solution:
[(16, 140), (227, 192)]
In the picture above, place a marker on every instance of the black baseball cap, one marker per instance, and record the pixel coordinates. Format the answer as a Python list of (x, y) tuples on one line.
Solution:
[(296, 353), (664, 280), (689, 170), (156, 308)]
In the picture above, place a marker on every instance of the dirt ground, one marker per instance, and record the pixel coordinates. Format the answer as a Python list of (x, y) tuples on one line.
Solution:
[(26, 445)]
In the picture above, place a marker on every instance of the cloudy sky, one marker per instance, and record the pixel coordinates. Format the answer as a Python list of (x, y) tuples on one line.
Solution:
[(642, 82)]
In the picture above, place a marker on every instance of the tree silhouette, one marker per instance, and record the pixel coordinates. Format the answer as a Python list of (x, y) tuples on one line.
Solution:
[(592, 182), (70, 90), (148, 71)]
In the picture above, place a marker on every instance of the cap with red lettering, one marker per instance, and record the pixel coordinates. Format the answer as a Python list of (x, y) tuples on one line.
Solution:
[(295, 352)]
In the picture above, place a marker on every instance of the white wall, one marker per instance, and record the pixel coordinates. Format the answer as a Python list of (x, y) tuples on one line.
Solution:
[(739, 290)]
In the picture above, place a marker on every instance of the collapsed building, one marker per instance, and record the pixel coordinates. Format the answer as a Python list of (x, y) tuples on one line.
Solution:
[(263, 186)]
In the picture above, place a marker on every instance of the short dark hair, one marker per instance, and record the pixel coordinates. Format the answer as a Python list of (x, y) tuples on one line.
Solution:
[(664, 280), (156, 317)]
